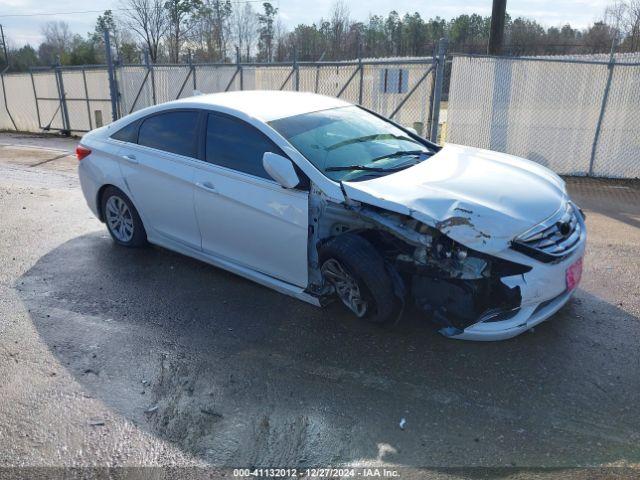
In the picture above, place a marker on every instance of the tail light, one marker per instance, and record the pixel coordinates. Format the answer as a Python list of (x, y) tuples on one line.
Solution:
[(82, 152)]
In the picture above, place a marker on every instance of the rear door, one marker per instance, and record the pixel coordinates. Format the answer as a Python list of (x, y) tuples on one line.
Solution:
[(159, 171), (244, 215)]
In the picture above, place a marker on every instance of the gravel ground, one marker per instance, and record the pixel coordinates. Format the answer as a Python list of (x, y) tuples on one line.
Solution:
[(114, 357)]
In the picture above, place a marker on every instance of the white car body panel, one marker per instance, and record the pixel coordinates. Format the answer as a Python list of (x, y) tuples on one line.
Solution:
[(544, 292), (233, 267), (479, 198), (264, 106), (147, 172), (257, 229), (103, 169), (253, 221)]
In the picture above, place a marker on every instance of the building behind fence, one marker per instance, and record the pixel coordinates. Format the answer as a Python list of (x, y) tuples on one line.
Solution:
[(577, 116)]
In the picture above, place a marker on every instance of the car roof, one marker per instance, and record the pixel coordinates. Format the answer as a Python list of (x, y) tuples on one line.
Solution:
[(266, 105)]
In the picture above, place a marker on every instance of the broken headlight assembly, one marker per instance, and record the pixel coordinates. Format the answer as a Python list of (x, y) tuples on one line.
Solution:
[(458, 285)]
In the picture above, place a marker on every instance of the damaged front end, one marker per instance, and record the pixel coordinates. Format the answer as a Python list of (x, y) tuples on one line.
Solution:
[(456, 285)]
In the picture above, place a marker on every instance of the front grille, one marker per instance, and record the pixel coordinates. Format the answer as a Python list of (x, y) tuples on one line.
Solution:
[(554, 238)]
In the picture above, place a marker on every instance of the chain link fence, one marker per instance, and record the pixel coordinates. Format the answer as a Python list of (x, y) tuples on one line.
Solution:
[(577, 117), (77, 99)]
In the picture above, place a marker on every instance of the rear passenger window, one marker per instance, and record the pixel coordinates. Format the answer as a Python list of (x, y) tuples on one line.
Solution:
[(237, 145), (128, 133), (174, 132)]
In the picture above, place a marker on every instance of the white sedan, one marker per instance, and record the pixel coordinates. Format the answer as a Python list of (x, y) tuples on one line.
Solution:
[(317, 198)]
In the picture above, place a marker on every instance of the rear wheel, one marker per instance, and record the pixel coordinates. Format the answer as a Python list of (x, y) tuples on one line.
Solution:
[(122, 219), (357, 272)]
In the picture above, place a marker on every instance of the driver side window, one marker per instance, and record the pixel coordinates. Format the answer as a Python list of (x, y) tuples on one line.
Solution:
[(237, 145)]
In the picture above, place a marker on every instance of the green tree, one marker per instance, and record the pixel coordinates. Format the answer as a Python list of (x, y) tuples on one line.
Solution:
[(82, 52), (180, 14), (22, 59), (266, 31), (105, 22)]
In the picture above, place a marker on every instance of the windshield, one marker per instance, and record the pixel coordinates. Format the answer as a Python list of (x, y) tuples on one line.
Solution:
[(349, 143)]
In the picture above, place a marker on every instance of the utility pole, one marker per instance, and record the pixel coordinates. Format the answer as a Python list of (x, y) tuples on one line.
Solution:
[(496, 35)]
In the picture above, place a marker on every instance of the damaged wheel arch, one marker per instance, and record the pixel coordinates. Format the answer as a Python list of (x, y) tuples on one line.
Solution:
[(456, 285), (358, 274)]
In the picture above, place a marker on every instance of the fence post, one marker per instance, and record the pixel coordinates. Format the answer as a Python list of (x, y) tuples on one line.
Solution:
[(66, 127), (147, 62), (193, 70), (361, 82), (86, 97), (35, 98), (239, 67), (296, 68), (439, 83), (113, 91), (6, 107), (603, 107)]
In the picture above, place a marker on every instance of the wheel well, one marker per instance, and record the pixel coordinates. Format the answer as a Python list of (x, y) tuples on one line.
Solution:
[(385, 243), (99, 200)]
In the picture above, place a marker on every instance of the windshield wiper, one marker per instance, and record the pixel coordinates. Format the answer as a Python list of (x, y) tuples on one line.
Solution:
[(378, 136), (368, 169), (401, 153), (355, 167)]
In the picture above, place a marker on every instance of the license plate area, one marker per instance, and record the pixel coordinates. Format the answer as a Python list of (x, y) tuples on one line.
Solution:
[(574, 274)]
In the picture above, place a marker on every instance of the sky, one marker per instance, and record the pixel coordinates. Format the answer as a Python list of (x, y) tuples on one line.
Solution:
[(22, 26)]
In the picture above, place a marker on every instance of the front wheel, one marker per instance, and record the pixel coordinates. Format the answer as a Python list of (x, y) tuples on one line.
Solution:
[(358, 275), (122, 219)]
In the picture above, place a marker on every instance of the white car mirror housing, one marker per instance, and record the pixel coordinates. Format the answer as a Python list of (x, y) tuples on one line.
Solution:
[(281, 169)]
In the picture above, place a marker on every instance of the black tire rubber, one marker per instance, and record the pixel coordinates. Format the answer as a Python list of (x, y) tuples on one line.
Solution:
[(139, 238), (366, 265)]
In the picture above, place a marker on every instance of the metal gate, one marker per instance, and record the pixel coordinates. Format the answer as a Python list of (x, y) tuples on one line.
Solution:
[(71, 99)]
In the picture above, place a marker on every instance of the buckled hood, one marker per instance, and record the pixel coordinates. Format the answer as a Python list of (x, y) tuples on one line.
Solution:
[(480, 198)]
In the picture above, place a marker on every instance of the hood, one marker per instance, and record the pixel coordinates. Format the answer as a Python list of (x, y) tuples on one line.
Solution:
[(480, 198)]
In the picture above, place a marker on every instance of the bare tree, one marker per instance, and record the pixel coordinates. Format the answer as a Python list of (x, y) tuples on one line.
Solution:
[(57, 34), (623, 16), (281, 36), (148, 20), (245, 28), (340, 22), (213, 29), (57, 41)]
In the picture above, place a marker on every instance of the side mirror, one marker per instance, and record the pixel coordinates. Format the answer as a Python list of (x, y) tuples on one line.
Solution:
[(412, 130), (281, 169)]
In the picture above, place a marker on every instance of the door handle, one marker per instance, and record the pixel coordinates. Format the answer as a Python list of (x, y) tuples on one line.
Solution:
[(208, 186), (130, 158)]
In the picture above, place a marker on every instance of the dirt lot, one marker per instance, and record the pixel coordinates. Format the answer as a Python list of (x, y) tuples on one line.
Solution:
[(113, 357)]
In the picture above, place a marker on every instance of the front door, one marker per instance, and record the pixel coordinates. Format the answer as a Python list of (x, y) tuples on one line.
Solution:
[(243, 214)]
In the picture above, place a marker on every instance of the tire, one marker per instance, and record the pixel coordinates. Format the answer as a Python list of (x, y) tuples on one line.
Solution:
[(122, 219), (362, 262)]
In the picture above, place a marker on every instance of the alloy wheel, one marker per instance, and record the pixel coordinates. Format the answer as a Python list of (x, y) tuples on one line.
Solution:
[(119, 219), (346, 286)]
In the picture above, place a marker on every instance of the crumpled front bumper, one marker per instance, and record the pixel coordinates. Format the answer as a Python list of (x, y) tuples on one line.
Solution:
[(544, 292)]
